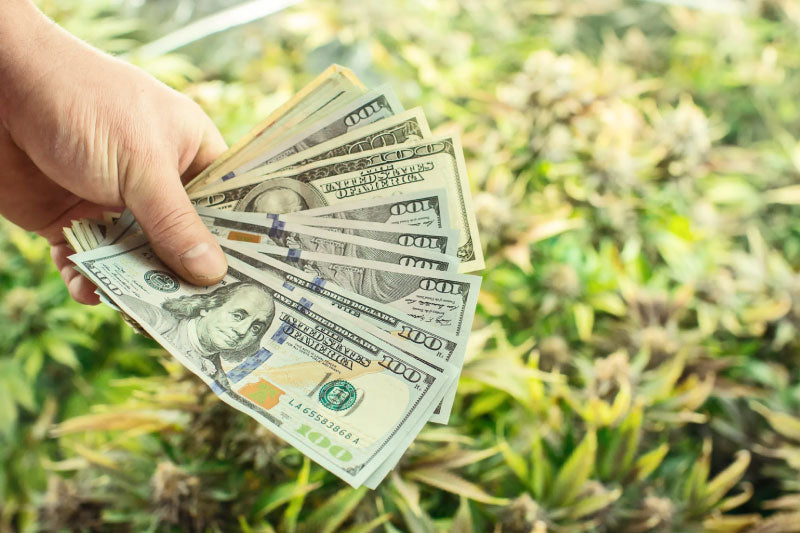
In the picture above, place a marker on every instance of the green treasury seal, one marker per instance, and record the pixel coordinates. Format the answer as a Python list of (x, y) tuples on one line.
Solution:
[(337, 395), (161, 281)]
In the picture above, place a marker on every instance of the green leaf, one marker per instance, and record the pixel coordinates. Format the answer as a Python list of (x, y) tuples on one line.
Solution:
[(609, 302), (3, 484), (732, 502), (8, 412), (446, 480), (486, 403), (13, 378), (594, 503), (277, 496), (370, 526), (730, 190), (622, 448), (60, 351), (329, 516), (648, 462), (76, 337), (406, 497), (514, 461), (785, 424), (695, 485), (575, 472), (296, 503), (541, 471), (785, 195), (462, 523), (33, 363), (716, 489), (30, 353), (262, 527), (584, 320)]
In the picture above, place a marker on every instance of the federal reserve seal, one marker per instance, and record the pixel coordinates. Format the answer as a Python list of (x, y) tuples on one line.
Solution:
[(337, 395), (161, 281)]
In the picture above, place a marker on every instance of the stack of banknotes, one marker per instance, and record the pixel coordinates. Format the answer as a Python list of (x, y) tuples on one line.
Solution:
[(343, 320)]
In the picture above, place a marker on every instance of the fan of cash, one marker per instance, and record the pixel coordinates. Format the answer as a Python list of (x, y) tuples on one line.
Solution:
[(343, 320)]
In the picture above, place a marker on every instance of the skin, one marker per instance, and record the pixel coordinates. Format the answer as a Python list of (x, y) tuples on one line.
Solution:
[(239, 322), (87, 132)]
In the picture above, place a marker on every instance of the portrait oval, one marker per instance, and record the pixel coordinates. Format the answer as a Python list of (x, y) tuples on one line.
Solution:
[(280, 195)]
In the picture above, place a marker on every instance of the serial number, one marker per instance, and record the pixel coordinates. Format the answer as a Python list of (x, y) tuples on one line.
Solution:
[(322, 420)]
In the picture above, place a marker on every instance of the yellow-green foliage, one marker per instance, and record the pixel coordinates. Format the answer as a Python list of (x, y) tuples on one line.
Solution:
[(634, 363)]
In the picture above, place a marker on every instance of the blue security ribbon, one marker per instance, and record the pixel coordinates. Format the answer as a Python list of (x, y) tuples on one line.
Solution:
[(248, 365), (280, 336), (277, 226), (305, 303)]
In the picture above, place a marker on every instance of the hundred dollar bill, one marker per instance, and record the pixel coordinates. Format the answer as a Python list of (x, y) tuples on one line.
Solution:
[(295, 236), (110, 217), (338, 394), (334, 85), (388, 464), (98, 230), (443, 241), (71, 239), (331, 94), (406, 168), (350, 273), (124, 226), (408, 126), (369, 108), (304, 117), (423, 208), (407, 333), (444, 300), (77, 231), (433, 341), (436, 345), (89, 231)]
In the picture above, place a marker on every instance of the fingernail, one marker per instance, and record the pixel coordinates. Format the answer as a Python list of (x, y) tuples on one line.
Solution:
[(204, 262)]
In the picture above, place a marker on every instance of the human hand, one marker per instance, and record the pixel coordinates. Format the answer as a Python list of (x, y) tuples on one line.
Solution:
[(87, 133)]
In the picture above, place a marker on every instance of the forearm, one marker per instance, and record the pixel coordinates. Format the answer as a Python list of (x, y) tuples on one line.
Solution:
[(31, 46)]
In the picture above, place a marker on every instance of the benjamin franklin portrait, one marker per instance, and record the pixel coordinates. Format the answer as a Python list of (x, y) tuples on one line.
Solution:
[(224, 325), (279, 196)]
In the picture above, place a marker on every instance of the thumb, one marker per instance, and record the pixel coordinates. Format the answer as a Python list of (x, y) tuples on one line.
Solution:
[(175, 230), (211, 146)]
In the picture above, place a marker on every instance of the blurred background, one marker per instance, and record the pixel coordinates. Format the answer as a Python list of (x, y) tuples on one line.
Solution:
[(635, 361)]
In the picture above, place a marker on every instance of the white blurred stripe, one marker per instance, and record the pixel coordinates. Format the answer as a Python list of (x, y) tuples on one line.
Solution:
[(718, 6), (225, 19)]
